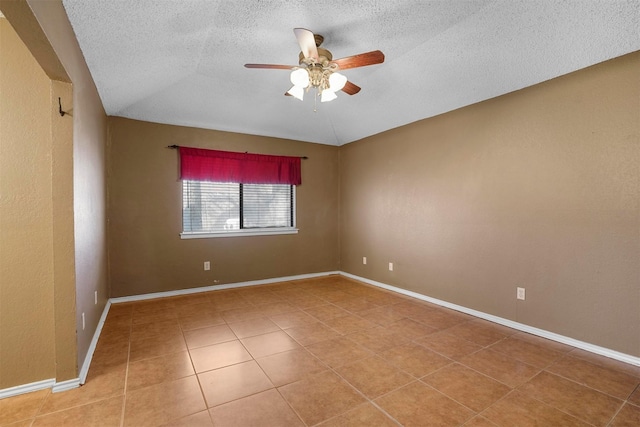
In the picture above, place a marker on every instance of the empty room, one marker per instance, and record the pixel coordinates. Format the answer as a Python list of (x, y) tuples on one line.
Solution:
[(282, 213)]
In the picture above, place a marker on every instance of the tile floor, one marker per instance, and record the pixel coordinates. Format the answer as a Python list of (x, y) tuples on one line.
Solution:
[(328, 352)]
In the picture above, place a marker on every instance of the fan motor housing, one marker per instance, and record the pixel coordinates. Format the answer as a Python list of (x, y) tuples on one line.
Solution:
[(324, 57)]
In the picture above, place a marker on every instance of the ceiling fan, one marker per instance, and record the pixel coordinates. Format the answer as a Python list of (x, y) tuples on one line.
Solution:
[(317, 68)]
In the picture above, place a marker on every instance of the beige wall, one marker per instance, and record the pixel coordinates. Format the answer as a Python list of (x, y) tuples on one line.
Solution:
[(146, 253), (27, 345), (89, 175), (75, 199), (539, 189)]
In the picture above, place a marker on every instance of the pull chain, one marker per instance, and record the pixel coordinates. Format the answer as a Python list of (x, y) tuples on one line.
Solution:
[(315, 102)]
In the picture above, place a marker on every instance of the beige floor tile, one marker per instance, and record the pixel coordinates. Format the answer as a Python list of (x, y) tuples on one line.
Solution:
[(290, 366), (326, 312), (543, 342), (374, 376), (292, 319), (189, 300), (378, 339), (156, 346), (500, 367), (311, 333), (199, 419), (208, 336), (233, 303), (479, 421), (144, 373), (363, 415), (257, 326), (155, 316), (440, 318), (162, 328), (355, 305), (233, 382), (275, 308), (606, 362), (383, 315), (197, 321), (448, 345), (321, 396), (23, 423), (102, 413), (21, 407), (410, 329), (271, 343), (414, 404), (218, 355), (267, 408), (574, 399), (98, 386), (478, 332), (110, 355), (527, 352), (156, 305), (240, 314), (466, 386), (629, 416), (335, 295), (606, 380), (413, 308), (348, 324), (161, 403), (518, 409), (415, 359), (305, 301), (635, 397), (339, 351)]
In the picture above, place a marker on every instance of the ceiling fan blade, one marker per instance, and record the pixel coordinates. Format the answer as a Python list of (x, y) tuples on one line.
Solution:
[(361, 60), (350, 88), (307, 43), (270, 66)]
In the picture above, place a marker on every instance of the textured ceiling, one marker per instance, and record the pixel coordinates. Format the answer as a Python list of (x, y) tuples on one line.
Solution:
[(181, 61)]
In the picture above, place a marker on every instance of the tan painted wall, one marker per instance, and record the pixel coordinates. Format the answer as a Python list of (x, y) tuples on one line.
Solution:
[(539, 188), (63, 235), (89, 173), (146, 253), (27, 347), (77, 185)]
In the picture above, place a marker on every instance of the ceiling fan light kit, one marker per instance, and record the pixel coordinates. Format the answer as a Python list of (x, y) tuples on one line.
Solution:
[(317, 70)]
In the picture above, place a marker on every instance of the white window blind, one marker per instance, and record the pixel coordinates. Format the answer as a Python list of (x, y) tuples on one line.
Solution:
[(218, 207)]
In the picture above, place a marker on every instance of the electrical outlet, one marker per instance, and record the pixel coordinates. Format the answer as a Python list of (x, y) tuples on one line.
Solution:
[(207, 265), (520, 294), (83, 321), (364, 260), (95, 297), (390, 266)]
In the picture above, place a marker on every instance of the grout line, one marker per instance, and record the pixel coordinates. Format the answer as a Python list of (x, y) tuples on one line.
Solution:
[(126, 373)]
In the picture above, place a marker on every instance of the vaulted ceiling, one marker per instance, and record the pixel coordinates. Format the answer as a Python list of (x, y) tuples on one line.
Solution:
[(181, 62)]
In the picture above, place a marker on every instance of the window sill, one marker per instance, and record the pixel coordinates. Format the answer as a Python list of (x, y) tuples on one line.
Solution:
[(240, 233)]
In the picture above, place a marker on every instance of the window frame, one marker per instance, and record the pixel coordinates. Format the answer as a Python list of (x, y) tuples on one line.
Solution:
[(243, 232)]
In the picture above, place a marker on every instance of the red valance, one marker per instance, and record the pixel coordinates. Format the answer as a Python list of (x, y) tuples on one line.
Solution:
[(224, 166)]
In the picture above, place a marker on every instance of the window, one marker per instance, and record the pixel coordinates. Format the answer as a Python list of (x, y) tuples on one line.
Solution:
[(223, 209), (229, 194)]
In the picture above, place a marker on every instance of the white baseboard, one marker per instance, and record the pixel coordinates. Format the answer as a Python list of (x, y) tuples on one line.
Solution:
[(66, 385), (219, 287), (603, 351), (27, 388), (84, 370)]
